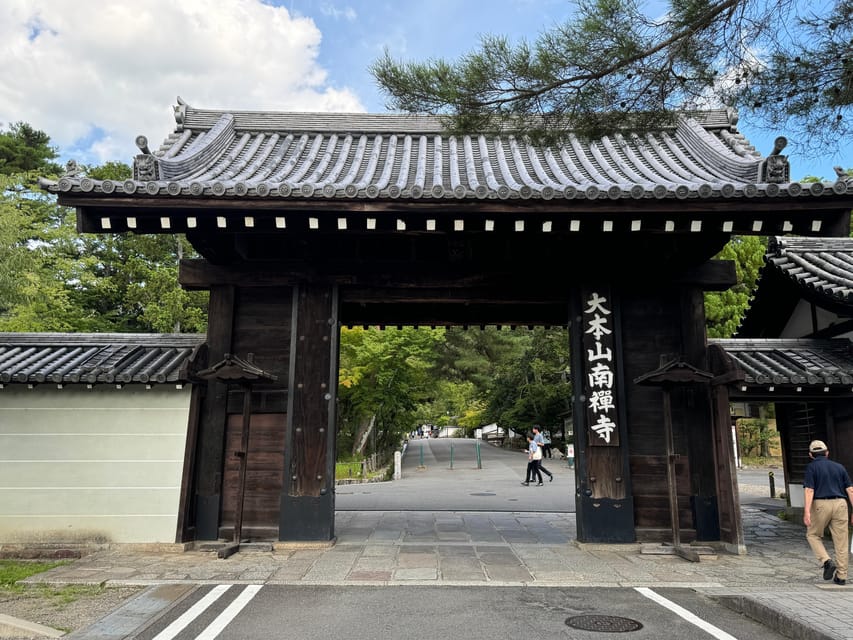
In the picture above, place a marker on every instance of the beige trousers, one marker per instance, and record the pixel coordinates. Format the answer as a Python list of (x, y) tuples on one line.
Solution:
[(832, 514)]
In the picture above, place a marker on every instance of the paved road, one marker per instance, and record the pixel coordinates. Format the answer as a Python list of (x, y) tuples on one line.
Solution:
[(502, 565), (430, 484), (248, 612)]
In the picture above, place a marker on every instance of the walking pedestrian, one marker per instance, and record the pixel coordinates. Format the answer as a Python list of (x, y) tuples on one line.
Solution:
[(546, 445), (534, 455), (540, 441), (827, 491)]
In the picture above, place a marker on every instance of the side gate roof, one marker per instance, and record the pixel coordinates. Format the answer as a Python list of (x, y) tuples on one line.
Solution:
[(779, 367), (819, 270), (95, 358), (785, 368)]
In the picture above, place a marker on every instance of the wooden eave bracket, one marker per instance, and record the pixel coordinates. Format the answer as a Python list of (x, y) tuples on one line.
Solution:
[(236, 370), (674, 372)]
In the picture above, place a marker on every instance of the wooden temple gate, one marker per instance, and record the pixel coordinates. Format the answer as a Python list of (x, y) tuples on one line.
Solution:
[(309, 222)]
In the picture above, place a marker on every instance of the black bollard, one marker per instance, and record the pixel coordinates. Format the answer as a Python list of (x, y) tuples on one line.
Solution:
[(772, 484)]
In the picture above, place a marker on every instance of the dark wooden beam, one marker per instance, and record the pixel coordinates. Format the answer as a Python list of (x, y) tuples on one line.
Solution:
[(211, 433), (828, 207)]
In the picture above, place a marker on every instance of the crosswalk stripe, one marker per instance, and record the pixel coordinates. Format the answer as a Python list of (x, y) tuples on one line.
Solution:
[(231, 611), (192, 613), (684, 613)]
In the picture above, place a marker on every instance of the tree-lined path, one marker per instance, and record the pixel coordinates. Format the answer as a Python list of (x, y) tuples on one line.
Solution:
[(437, 487)]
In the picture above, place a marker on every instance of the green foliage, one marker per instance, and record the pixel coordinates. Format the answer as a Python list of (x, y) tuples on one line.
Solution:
[(55, 279), (110, 171), (383, 375), (535, 388), (12, 571), (344, 470), (724, 309), (24, 149), (614, 65), (755, 437), (403, 378)]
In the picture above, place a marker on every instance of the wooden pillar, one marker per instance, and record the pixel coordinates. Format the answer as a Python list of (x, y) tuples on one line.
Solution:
[(211, 434), (307, 501), (728, 495), (605, 510), (697, 419)]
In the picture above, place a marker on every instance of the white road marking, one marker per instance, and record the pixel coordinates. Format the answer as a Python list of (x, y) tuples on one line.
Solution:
[(684, 613), (231, 611), (192, 613)]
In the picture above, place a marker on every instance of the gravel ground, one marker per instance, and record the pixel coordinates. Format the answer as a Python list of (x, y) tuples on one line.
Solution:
[(36, 605)]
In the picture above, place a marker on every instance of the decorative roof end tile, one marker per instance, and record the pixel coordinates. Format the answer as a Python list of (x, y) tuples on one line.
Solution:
[(775, 169)]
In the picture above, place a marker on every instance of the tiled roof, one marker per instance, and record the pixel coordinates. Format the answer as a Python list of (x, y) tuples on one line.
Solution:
[(793, 365), (314, 156), (820, 265), (115, 358), (819, 270)]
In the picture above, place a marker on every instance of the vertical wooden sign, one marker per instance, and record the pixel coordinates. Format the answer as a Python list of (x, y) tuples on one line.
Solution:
[(599, 363)]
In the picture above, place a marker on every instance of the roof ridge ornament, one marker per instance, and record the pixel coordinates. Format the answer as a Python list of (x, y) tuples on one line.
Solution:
[(180, 113), (842, 175), (775, 168), (145, 167), (73, 170), (733, 116)]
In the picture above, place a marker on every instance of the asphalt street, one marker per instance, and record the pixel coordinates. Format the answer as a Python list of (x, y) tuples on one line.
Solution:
[(455, 548), (241, 612)]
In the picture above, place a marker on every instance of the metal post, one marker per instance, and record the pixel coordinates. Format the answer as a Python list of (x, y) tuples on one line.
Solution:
[(479, 459), (772, 484), (451, 455)]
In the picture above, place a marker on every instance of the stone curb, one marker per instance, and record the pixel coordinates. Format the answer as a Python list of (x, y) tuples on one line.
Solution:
[(31, 628), (780, 621)]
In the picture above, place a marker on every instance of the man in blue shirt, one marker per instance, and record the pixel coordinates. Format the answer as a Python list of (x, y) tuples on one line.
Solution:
[(827, 490)]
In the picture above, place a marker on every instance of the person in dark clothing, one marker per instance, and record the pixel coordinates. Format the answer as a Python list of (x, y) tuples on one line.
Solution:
[(546, 447), (828, 489)]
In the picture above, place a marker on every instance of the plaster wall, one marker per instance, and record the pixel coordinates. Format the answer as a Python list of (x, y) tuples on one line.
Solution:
[(800, 322), (96, 465)]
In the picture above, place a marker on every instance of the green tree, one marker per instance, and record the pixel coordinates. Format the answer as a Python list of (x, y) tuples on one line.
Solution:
[(535, 388), (383, 376), (55, 279), (786, 61), (724, 309), (24, 149), (29, 223)]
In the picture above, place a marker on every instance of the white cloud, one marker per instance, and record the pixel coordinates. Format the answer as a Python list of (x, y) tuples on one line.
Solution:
[(347, 13), (93, 75)]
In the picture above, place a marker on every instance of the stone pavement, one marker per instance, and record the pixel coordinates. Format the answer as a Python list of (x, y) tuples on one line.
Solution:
[(776, 581)]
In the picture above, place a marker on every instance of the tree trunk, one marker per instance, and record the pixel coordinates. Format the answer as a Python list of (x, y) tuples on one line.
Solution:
[(361, 436)]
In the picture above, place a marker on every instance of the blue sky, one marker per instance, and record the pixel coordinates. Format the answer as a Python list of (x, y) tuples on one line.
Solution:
[(94, 75)]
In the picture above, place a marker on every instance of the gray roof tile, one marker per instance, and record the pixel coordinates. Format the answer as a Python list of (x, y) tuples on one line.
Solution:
[(229, 154), (819, 270), (822, 365), (78, 358), (822, 265)]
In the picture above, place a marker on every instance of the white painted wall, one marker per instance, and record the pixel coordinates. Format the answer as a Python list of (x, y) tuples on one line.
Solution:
[(96, 465), (800, 322)]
